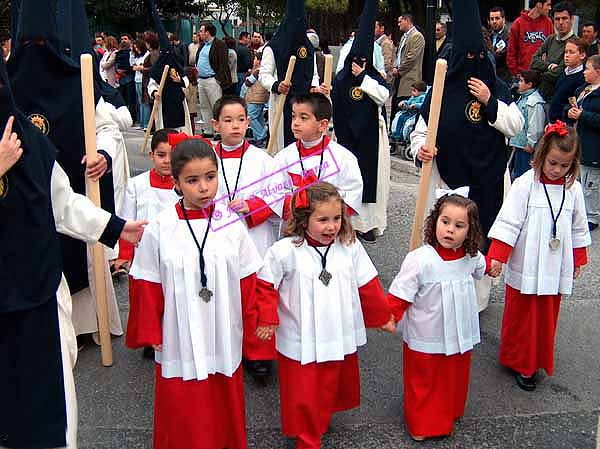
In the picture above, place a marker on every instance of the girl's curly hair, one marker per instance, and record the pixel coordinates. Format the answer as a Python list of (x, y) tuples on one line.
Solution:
[(474, 235), (317, 193)]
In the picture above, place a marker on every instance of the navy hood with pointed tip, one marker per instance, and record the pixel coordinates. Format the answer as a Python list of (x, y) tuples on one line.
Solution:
[(173, 112), (46, 86), (355, 115)]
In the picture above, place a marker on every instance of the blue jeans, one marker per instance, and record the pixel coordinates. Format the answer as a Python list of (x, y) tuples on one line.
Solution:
[(240, 80), (143, 108), (257, 120), (521, 162)]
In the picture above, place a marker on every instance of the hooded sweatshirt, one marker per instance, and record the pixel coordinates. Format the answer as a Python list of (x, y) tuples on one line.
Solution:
[(526, 36)]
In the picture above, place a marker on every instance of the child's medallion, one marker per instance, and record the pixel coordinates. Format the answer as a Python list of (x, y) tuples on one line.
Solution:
[(325, 277), (205, 294), (554, 244)]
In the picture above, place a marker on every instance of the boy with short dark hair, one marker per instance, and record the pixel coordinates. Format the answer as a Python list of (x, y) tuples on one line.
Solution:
[(314, 157), (250, 187)]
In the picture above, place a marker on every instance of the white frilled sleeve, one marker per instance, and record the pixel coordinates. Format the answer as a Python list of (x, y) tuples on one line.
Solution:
[(376, 91), (75, 215), (146, 263), (406, 283), (267, 74), (580, 229), (273, 269), (509, 120), (512, 215)]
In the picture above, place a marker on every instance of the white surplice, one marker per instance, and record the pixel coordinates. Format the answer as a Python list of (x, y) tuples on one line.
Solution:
[(199, 338), (443, 317), (317, 322), (525, 223)]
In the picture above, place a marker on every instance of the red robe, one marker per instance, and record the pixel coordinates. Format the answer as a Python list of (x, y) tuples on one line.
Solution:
[(206, 414), (529, 321), (310, 394), (435, 385)]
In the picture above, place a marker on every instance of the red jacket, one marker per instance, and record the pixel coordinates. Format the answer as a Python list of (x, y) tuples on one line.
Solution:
[(526, 36)]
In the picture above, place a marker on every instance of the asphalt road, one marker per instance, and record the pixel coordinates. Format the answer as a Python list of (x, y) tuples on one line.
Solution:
[(116, 404)]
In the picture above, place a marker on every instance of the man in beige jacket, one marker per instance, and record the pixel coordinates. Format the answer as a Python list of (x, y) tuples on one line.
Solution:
[(408, 67)]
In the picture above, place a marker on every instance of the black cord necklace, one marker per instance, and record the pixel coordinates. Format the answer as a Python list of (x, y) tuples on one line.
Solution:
[(320, 160), (204, 293), (325, 276), (237, 179), (554, 241)]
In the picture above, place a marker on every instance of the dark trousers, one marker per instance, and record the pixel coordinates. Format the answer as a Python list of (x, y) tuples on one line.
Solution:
[(130, 98)]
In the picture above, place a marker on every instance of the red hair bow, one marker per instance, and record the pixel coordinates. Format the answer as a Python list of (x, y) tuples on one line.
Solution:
[(174, 139), (559, 128), (301, 195)]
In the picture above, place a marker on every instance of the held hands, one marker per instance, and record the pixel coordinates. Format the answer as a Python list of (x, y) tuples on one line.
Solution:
[(496, 268), (479, 90), (10, 148), (133, 230), (239, 206), (96, 168), (266, 332), (426, 155), (357, 69), (574, 113), (390, 326), (284, 88)]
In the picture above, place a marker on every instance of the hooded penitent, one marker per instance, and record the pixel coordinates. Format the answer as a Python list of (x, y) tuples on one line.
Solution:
[(470, 151), (74, 39), (355, 115), (33, 412), (173, 112), (290, 40), (46, 83)]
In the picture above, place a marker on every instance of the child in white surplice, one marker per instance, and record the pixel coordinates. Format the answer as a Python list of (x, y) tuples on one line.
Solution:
[(320, 286), (435, 292), (541, 233), (196, 281), (250, 186)]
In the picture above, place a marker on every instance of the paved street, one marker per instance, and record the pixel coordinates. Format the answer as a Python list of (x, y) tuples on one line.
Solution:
[(116, 404)]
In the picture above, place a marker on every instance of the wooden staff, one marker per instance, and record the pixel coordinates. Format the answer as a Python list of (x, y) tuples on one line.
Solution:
[(328, 73), (279, 111), (155, 106), (93, 193), (432, 127)]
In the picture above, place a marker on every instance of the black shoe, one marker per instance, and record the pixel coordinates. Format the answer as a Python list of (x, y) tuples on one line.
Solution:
[(592, 226), (259, 369), (525, 383), (367, 237), (148, 352)]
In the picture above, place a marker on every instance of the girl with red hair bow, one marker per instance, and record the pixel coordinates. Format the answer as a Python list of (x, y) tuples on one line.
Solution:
[(541, 234), (318, 289)]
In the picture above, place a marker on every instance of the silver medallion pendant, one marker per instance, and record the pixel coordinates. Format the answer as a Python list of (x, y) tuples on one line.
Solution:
[(554, 244), (325, 277), (205, 294)]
